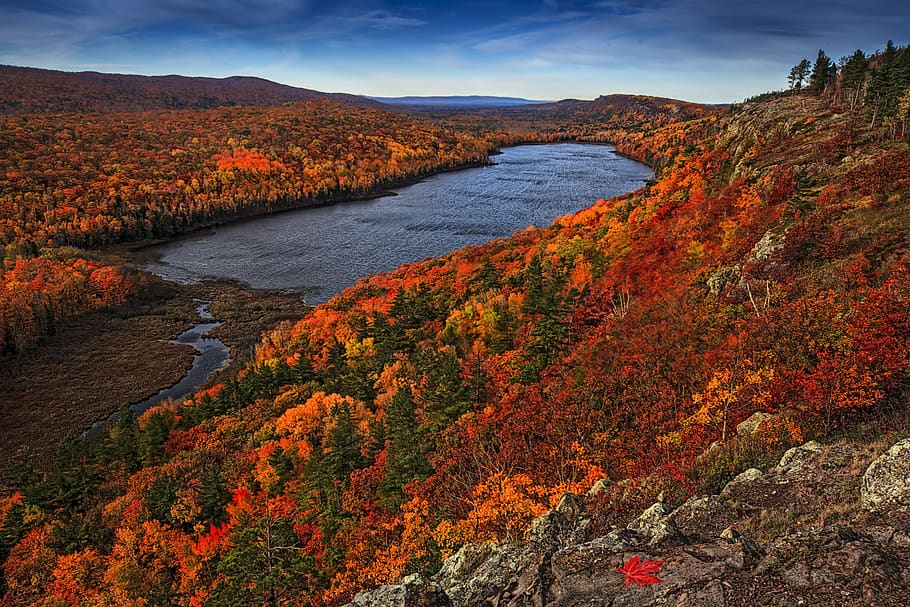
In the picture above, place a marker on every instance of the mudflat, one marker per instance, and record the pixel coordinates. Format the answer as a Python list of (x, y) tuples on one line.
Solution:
[(104, 361)]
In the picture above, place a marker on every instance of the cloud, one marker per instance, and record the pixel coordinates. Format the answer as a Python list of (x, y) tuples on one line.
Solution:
[(377, 19), (578, 45), (694, 33), (86, 20)]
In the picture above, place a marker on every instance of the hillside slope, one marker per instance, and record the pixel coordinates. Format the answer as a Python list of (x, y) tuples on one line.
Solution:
[(451, 402), (823, 525), (26, 90)]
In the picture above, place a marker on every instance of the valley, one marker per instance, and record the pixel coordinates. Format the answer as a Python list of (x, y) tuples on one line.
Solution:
[(697, 383)]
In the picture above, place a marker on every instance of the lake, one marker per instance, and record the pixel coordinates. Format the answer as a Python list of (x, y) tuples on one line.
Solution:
[(318, 251)]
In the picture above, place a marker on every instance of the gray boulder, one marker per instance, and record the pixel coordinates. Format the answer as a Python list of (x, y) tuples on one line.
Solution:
[(886, 483), (700, 517), (798, 458), (655, 526), (476, 575), (411, 591), (751, 425), (722, 278)]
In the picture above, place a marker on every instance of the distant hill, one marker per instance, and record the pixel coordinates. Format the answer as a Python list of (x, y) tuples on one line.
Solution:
[(457, 101), (607, 105), (25, 90)]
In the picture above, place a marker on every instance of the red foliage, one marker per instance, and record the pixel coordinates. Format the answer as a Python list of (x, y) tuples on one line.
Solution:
[(640, 572)]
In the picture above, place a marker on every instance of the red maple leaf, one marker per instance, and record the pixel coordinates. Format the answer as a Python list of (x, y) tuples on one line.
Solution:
[(640, 572)]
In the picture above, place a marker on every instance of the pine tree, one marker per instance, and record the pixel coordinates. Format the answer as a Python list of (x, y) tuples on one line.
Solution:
[(822, 72), (444, 397), (884, 90), (342, 453), (798, 74), (854, 76), (404, 458)]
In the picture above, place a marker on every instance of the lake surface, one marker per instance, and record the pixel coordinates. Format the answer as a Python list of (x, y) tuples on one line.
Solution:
[(319, 251)]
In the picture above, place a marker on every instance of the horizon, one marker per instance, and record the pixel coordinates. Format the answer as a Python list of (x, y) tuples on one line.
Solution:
[(694, 50)]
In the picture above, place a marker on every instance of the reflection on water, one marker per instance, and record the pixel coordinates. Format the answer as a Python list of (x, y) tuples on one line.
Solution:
[(320, 251)]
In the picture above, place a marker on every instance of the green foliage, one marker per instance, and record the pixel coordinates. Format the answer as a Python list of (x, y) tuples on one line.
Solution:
[(342, 446), (266, 565), (543, 284), (444, 397), (150, 446), (161, 497), (823, 72), (405, 460), (214, 496), (798, 74), (854, 76), (11, 529), (721, 463), (121, 441)]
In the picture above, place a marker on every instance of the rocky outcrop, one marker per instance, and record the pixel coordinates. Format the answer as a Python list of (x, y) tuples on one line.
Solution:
[(753, 423), (412, 591), (794, 534), (722, 278), (886, 483), (768, 245)]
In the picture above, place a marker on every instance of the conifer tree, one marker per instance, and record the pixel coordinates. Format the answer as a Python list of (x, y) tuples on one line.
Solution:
[(854, 76), (404, 458), (342, 453), (822, 72), (798, 74)]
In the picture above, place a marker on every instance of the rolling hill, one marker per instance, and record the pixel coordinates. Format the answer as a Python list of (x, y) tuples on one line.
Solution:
[(25, 90)]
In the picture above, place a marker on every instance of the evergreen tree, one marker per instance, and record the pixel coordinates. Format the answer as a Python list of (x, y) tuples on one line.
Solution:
[(266, 565), (854, 75), (444, 397), (404, 458), (798, 74), (342, 452), (885, 90), (822, 73)]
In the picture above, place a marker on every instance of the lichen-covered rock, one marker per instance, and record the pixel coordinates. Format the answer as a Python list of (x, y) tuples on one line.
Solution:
[(797, 458), (700, 517), (599, 487), (411, 591), (655, 526), (708, 559), (751, 425), (463, 563), (571, 505), (722, 278), (743, 478), (886, 483), (565, 524), (489, 577), (769, 244)]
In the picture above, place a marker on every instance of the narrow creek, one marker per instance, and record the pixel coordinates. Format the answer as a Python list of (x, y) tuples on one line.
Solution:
[(211, 355)]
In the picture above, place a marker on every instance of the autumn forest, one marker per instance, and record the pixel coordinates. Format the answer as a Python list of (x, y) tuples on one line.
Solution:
[(765, 268)]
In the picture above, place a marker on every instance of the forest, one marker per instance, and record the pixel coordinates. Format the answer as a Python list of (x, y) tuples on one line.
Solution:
[(93, 180), (25, 90), (450, 401)]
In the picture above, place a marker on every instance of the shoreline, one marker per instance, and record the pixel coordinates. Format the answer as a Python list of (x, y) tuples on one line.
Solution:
[(133, 250), (387, 190), (47, 398)]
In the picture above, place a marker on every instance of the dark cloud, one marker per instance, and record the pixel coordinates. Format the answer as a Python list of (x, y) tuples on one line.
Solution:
[(480, 40)]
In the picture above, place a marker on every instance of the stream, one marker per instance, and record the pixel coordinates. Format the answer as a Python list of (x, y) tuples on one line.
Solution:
[(211, 355)]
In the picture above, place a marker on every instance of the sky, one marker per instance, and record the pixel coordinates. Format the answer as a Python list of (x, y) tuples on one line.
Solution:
[(699, 50)]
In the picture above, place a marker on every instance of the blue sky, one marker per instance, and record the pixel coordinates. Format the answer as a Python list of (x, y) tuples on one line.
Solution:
[(699, 50)]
